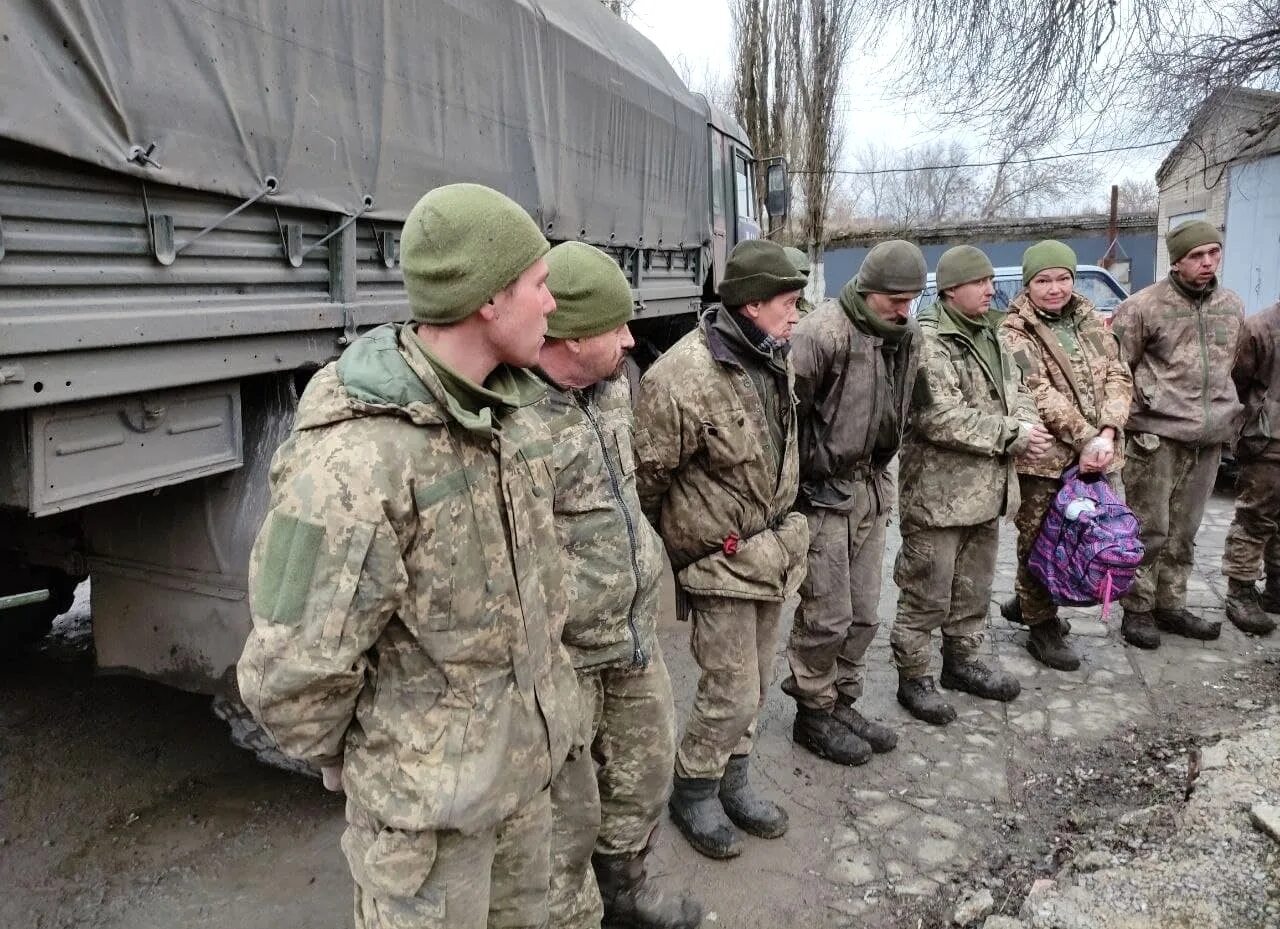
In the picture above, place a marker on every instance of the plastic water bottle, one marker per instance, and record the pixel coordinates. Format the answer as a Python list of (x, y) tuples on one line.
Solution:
[(1078, 507)]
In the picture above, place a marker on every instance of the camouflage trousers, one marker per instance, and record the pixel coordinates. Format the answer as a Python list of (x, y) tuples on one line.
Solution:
[(733, 642), (1167, 485), (495, 879), (944, 579), (1254, 537), (837, 618), (608, 801), (1037, 496)]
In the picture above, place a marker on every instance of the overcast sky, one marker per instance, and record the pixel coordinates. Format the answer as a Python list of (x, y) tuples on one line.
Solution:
[(700, 33)]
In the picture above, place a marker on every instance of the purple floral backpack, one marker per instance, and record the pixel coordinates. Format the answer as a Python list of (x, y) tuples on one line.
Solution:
[(1088, 549)]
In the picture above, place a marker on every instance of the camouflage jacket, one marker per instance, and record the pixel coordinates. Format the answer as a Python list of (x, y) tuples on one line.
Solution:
[(1073, 369), (613, 556), (957, 465), (705, 471), (1181, 352), (843, 389), (1257, 378), (405, 594)]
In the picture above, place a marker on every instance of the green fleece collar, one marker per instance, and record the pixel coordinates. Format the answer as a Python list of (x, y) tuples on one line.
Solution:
[(855, 307)]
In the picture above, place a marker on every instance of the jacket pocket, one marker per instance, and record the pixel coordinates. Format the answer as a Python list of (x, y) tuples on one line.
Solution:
[(399, 862), (622, 446), (729, 442)]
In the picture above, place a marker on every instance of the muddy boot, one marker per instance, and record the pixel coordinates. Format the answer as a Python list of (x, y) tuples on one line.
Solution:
[(974, 677), (749, 811), (1185, 623), (879, 736), (633, 901), (1048, 647), (1011, 610), (1139, 629), (827, 737), (923, 701), (1244, 609), (697, 812)]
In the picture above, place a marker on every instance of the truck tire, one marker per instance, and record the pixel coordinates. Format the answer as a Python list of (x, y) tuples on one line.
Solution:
[(247, 733)]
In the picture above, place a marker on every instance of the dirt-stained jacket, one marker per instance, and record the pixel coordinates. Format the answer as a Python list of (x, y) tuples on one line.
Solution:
[(405, 594), (706, 472), (1181, 351), (843, 389), (1078, 381), (957, 462), (1257, 378), (613, 557)]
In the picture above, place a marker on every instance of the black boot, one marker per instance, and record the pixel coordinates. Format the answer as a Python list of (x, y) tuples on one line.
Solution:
[(1139, 629), (1185, 623), (827, 737), (879, 736), (923, 701), (1244, 609), (1011, 610), (633, 901), (1047, 646), (1270, 599), (749, 811), (697, 812), (974, 677)]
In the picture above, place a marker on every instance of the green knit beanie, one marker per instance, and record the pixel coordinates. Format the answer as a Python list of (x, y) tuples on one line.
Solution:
[(960, 265), (1044, 255), (893, 267), (758, 270), (461, 244), (592, 294), (798, 258), (1191, 234)]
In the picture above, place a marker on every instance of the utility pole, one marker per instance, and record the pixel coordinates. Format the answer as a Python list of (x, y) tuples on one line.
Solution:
[(1113, 227)]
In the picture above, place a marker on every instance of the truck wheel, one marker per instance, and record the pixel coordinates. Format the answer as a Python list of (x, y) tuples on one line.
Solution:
[(246, 733)]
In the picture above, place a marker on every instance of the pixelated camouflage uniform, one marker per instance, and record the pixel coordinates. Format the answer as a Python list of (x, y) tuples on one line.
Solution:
[(407, 613), (710, 467), (956, 479), (606, 801), (1254, 536), (853, 400), (1072, 367), (1181, 349)]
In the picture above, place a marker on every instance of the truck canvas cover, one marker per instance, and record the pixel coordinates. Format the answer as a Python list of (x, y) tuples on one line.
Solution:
[(556, 102)]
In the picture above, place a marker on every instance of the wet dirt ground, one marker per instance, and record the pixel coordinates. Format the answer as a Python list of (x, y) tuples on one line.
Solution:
[(123, 804)]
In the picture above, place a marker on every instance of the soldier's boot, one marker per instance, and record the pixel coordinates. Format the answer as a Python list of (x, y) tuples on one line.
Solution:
[(1185, 623), (1047, 646), (1011, 610), (696, 811), (633, 901), (1270, 599), (975, 677), (749, 811), (824, 735), (1244, 609), (922, 700), (1139, 629), (879, 736)]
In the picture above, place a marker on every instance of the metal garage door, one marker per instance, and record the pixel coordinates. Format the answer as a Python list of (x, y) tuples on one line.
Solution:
[(1251, 264)]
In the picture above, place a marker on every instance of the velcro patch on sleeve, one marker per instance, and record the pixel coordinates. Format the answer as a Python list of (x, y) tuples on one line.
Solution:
[(286, 568)]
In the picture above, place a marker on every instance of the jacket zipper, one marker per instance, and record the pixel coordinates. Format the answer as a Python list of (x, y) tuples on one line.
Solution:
[(638, 657)]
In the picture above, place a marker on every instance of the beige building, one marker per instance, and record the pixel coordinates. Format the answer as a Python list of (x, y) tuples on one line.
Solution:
[(1226, 169)]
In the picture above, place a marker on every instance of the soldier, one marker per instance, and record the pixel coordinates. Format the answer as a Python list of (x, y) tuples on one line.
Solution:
[(717, 451), (971, 415), (606, 817), (1179, 338), (1082, 390), (1254, 536), (406, 587), (855, 362), (800, 259)]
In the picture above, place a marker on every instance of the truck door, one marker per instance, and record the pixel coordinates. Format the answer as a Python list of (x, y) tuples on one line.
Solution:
[(748, 219), (719, 202)]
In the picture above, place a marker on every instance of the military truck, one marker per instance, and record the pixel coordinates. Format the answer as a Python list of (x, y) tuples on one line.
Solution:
[(200, 204)]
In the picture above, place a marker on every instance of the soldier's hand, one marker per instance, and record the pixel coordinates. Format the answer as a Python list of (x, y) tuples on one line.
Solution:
[(1040, 441), (331, 777), (1097, 454)]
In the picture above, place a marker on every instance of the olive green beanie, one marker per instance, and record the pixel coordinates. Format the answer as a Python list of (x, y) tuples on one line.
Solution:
[(461, 244), (592, 294), (758, 270), (798, 258), (960, 265), (1044, 255), (1191, 234), (893, 267)]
